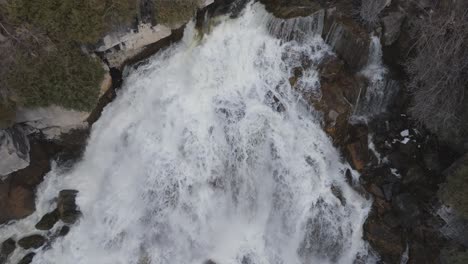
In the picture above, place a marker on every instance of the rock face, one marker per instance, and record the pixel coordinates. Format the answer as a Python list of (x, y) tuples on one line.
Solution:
[(67, 208), (14, 150), (15, 202)]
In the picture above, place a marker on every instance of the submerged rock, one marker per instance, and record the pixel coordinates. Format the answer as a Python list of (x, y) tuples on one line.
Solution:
[(33, 241), (14, 150), (27, 259), (8, 246), (67, 208)]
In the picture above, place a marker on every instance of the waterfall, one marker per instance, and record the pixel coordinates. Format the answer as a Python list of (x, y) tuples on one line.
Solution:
[(380, 88), (207, 155)]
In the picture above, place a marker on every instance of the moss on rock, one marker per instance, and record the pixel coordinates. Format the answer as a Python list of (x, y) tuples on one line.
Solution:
[(454, 193), (173, 12)]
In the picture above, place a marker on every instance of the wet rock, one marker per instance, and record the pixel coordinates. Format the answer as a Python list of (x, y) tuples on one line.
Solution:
[(392, 27), (338, 193), (291, 8), (14, 150), (64, 231), (385, 240), (209, 262), (48, 220), (33, 241), (8, 246), (16, 202), (347, 38), (408, 210), (27, 259), (359, 154), (67, 208), (388, 191)]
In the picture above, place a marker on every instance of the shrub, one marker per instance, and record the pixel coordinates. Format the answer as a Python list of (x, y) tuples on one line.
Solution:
[(454, 192), (438, 73), (172, 12), (83, 21), (63, 77)]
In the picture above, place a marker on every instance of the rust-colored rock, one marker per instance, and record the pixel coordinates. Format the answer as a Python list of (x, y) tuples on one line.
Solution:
[(15, 202)]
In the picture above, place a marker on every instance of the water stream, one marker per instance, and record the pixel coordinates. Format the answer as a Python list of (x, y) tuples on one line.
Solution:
[(208, 154)]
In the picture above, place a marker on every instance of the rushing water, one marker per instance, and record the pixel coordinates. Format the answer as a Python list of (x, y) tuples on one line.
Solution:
[(208, 154)]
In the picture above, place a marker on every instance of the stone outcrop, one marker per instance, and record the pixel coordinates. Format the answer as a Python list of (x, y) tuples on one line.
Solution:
[(48, 220), (14, 150), (392, 27), (7, 247)]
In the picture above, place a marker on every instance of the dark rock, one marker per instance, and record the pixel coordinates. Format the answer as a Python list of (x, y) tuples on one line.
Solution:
[(399, 160), (391, 220), (386, 241), (432, 161), (415, 174), (33, 241), (8, 246), (291, 8), (407, 207), (388, 191), (359, 154), (64, 231), (27, 259), (375, 190), (67, 208), (48, 220), (209, 262), (392, 27)]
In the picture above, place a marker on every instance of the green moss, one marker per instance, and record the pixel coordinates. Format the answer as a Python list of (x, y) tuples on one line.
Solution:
[(63, 77), (83, 21), (454, 257), (7, 115), (454, 192), (172, 12)]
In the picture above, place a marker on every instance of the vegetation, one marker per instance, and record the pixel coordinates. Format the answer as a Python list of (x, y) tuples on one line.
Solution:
[(172, 12), (83, 21), (439, 70), (451, 256), (63, 76), (454, 192)]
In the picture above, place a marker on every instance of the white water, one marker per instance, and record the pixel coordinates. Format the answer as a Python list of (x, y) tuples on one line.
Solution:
[(191, 162), (380, 89)]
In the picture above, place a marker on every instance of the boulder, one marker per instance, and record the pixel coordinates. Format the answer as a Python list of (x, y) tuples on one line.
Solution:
[(14, 150), (27, 259), (16, 202), (63, 231), (67, 208), (7, 247), (48, 220), (33, 241), (392, 27)]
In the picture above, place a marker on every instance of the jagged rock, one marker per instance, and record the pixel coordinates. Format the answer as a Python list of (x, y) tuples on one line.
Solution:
[(67, 208), (48, 220), (392, 27), (27, 259), (33, 241), (16, 202), (14, 150), (8, 246)]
